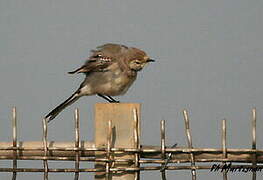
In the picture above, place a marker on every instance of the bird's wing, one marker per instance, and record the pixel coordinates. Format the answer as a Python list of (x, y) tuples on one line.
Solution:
[(96, 62)]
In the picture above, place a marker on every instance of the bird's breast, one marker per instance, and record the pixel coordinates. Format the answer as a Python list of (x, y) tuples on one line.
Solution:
[(119, 83), (114, 83)]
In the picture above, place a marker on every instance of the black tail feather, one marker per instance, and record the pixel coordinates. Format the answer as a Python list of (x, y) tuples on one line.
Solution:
[(74, 97)]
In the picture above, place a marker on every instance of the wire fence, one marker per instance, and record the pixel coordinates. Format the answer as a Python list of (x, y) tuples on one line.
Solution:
[(146, 158)]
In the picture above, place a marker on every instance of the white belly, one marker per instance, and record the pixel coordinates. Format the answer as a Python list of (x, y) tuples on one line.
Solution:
[(112, 83), (118, 86)]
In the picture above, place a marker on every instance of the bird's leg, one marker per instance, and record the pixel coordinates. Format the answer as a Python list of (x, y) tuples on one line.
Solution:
[(106, 98), (113, 100)]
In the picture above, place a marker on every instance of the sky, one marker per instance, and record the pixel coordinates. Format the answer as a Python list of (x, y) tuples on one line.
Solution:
[(208, 60)]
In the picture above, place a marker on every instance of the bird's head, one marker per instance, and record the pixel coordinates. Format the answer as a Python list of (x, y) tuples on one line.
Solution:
[(138, 59)]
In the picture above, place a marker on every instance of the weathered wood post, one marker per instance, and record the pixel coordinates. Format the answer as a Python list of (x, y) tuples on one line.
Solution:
[(116, 127)]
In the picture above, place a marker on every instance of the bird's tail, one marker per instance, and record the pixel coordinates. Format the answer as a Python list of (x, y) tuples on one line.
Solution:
[(74, 97)]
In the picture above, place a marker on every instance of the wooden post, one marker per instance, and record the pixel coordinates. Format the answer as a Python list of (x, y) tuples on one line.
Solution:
[(119, 117)]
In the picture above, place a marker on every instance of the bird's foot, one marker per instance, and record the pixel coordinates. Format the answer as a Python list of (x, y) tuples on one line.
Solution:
[(114, 101), (108, 98)]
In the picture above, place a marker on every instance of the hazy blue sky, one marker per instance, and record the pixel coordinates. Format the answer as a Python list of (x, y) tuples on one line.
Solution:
[(209, 60)]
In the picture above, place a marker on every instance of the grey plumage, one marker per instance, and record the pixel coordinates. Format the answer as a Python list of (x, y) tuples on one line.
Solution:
[(110, 71)]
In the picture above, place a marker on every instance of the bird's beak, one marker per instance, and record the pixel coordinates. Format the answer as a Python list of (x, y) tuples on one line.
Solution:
[(150, 60)]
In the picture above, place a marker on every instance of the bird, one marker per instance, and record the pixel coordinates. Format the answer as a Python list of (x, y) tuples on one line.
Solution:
[(109, 71)]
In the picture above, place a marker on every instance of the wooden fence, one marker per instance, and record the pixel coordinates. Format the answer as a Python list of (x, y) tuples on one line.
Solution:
[(118, 154)]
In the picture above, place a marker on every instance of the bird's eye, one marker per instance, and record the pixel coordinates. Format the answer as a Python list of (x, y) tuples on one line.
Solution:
[(137, 62)]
